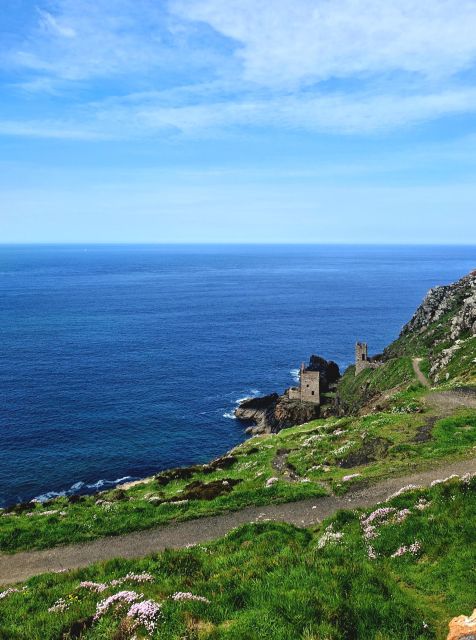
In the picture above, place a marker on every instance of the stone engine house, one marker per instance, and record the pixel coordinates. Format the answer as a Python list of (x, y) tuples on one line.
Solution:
[(309, 389), (362, 360)]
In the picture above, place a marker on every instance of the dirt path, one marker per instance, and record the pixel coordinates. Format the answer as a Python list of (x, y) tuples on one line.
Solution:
[(21, 566), (419, 373)]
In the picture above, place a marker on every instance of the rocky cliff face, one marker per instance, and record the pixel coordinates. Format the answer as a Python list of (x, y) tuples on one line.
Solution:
[(443, 327), (458, 300), (272, 413)]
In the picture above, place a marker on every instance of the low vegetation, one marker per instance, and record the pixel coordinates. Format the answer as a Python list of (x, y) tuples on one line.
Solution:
[(355, 392), (322, 457), (400, 571)]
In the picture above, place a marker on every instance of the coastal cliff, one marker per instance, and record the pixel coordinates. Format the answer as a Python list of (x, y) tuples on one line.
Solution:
[(270, 414), (442, 331)]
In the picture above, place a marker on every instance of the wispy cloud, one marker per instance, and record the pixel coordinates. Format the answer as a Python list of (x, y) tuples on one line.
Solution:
[(307, 40), (195, 67)]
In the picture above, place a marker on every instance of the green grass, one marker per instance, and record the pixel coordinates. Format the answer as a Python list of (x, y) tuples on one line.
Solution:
[(320, 454), (354, 392), (277, 581)]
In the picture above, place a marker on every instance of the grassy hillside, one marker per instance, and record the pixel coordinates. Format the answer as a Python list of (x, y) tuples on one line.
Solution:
[(355, 392), (321, 457), (398, 572)]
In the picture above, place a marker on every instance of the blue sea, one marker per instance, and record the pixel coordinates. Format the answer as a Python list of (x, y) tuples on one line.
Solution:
[(119, 361)]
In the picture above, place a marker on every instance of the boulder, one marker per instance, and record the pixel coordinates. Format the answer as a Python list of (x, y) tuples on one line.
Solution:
[(463, 628)]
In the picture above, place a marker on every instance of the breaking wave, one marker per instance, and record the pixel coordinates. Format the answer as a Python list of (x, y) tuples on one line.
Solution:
[(295, 374), (82, 487)]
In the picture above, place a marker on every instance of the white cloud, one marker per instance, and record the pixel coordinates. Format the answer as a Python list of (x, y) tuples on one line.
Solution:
[(202, 66), (285, 42), (362, 114)]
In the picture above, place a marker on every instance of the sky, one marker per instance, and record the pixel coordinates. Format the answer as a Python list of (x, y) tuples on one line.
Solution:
[(178, 121)]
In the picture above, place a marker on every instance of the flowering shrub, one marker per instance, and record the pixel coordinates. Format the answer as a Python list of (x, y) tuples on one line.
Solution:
[(402, 515), (330, 537), (422, 504), (59, 606), (122, 597), (443, 480), (345, 447), (414, 549), (180, 595), (408, 487), (145, 613), (9, 592), (96, 587), (99, 587), (377, 516)]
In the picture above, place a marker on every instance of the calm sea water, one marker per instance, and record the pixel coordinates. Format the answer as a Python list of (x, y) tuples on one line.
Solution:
[(118, 361)]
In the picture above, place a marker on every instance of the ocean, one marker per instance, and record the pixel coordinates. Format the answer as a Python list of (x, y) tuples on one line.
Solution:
[(119, 361)]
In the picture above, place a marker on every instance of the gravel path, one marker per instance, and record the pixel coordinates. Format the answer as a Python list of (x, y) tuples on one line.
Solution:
[(419, 373), (21, 566)]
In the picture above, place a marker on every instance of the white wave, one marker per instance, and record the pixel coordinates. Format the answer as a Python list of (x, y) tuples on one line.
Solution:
[(252, 394), (230, 415), (295, 374), (78, 486)]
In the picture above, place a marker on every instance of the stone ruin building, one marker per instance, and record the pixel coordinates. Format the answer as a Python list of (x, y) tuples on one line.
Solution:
[(318, 377), (362, 360), (309, 389)]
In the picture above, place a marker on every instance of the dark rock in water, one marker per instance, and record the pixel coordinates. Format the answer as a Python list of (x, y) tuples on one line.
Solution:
[(258, 411)]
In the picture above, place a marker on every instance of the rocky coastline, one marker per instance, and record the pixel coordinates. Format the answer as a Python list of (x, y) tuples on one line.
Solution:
[(273, 412)]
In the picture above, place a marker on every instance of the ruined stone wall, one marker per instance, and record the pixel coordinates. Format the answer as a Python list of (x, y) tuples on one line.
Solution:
[(294, 393), (310, 386), (361, 357)]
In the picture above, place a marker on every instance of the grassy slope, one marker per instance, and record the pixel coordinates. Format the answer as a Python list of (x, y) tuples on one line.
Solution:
[(276, 581), (321, 453), (355, 392)]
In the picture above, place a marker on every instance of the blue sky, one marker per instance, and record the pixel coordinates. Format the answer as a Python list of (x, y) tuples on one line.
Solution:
[(238, 121)]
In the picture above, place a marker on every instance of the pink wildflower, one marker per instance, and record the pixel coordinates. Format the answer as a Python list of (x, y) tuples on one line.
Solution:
[(414, 549), (408, 487), (372, 554), (180, 595), (422, 504), (402, 515), (96, 587), (123, 597), (145, 613), (443, 480), (60, 606)]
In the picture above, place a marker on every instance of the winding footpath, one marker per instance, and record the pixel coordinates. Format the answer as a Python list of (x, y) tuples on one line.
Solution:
[(24, 565), (419, 373)]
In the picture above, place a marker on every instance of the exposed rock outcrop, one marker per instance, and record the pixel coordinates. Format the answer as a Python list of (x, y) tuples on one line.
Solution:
[(463, 628), (272, 413), (459, 298), (442, 324), (328, 369)]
